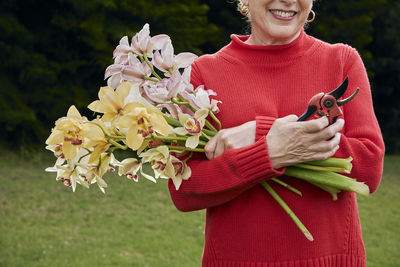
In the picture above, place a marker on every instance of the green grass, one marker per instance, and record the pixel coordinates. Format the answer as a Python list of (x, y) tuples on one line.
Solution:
[(42, 223)]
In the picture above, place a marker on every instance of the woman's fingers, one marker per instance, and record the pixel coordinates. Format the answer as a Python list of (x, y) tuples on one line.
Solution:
[(220, 147), (328, 132), (316, 125), (231, 138), (210, 147), (326, 145)]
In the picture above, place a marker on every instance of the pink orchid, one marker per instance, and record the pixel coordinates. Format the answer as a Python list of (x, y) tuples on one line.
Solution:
[(122, 51), (113, 72), (157, 92), (143, 43), (175, 84), (166, 61), (136, 70), (200, 99), (186, 79)]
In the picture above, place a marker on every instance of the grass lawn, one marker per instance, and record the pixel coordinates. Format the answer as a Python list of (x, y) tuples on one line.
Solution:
[(135, 224)]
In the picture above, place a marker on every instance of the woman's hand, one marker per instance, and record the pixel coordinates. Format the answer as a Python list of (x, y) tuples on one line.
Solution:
[(231, 138), (290, 142)]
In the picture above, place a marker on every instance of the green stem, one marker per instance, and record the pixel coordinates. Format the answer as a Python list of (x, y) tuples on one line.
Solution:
[(117, 144), (287, 186), (150, 79), (209, 132), (181, 98), (89, 152), (329, 189), (151, 66), (328, 178), (216, 120), (282, 203), (321, 168), (182, 149), (172, 121), (184, 103), (172, 138), (334, 162), (205, 135), (210, 126), (189, 157)]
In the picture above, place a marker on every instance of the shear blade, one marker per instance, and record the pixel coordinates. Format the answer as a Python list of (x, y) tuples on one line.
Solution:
[(338, 92), (344, 101)]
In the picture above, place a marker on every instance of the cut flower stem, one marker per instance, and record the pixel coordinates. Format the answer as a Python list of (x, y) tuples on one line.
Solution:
[(328, 178), (282, 203)]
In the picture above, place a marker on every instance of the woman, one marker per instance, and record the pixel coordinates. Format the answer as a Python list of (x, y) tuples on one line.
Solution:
[(263, 80)]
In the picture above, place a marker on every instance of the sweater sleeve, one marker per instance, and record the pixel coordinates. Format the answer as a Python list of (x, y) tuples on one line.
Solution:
[(361, 138), (263, 125), (214, 182)]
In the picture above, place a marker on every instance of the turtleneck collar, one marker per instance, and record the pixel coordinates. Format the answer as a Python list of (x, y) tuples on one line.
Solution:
[(256, 54)]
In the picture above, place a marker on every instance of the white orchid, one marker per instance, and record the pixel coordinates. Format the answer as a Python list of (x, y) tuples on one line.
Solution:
[(193, 126), (143, 43)]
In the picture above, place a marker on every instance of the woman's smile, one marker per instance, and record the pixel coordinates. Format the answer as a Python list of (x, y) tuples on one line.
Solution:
[(282, 14)]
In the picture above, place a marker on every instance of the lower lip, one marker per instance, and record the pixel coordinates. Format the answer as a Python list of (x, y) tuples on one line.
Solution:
[(282, 18)]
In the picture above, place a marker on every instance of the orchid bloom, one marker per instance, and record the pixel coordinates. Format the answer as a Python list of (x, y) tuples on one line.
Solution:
[(182, 171), (143, 43), (94, 173), (129, 167), (142, 121), (175, 84), (135, 71), (114, 76), (202, 99), (69, 133), (96, 140), (167, 62), (122, 51), (158, 158), (157, 92), (193, 126), (111, 103), (68, 173)]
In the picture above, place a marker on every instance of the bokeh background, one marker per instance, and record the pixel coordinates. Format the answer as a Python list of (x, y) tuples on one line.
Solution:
[(53, 53)]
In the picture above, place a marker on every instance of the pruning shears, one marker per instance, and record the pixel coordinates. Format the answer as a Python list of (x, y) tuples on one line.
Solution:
[(328, 104)]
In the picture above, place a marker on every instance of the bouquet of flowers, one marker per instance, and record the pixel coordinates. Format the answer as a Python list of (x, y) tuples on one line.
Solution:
[(150, 107)]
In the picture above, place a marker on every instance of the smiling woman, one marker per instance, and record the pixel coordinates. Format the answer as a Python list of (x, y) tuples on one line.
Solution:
[(276, 22), (263, 80)]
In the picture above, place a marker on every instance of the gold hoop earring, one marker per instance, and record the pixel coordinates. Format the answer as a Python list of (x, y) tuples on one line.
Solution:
[(313, 17), (244, 9)]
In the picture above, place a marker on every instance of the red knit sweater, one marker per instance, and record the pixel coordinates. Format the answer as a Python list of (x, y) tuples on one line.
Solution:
[(244, 224)]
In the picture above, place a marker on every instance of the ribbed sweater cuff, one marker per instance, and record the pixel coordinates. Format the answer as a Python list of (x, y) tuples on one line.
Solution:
[(253, 161), (263, 124)]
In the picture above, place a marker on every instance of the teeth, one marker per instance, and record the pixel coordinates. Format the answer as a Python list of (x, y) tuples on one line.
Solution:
[(283, 13)]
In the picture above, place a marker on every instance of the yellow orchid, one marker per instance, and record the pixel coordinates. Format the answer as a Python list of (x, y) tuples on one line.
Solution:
[(94, 173), (111, 103), (96, 139), (69, 133), (129, 167), (142, 121), (158, 158), (192, 125)]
